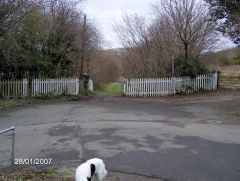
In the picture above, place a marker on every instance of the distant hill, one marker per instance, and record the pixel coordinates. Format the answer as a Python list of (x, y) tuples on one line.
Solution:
[(222, 58), (116, 51), (228, 63), (213, 60)]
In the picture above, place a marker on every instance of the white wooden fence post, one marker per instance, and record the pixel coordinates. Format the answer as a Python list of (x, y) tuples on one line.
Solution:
[(23, 87), (124, 86), (90, 85), (26, 87), (174, 85), (215, 81), (77, 86)]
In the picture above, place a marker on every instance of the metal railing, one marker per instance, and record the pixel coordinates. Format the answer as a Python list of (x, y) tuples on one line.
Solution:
[(13, 141)]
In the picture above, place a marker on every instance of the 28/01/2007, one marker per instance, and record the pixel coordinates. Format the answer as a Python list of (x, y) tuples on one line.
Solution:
[(33, 161)]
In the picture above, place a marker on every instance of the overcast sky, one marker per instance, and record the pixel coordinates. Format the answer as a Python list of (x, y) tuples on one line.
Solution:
[(105, 12)]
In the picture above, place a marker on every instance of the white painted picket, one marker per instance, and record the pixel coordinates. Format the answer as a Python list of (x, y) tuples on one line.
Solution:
[(13, 88), (55, 86), (169, 86)]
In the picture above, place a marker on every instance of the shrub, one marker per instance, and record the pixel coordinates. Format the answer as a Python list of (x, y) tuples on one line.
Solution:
[(189, 67)]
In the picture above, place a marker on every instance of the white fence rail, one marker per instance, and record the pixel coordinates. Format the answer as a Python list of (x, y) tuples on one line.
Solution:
[(55, 86), (169, 86), (13, 88), (38, 87)]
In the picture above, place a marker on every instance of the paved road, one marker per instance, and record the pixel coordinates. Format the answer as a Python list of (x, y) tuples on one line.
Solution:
[(179, 139)]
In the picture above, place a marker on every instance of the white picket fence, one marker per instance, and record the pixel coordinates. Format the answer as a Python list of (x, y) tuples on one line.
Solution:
[(169, 86), (13, 88), (16, 88), (55, 86)]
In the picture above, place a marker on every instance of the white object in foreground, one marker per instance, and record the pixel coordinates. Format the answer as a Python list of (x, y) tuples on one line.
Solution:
[(86, 170)]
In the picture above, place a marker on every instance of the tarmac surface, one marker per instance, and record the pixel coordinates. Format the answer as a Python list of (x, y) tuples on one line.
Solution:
[(183, 138)]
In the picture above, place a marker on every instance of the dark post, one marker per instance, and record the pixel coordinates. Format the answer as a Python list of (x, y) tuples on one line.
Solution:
[(83, 44), (172, 66), (88, 64)]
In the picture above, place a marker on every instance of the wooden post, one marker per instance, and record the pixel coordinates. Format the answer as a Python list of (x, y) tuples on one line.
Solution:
[(172, 66), (83, 45)]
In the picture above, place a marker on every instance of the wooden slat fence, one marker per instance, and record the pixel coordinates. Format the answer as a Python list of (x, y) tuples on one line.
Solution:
[(17, 88), (13, 88), (169, 86), (55, 86)]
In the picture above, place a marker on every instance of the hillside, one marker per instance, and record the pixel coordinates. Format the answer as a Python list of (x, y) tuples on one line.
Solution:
[(214, 60), (217, 60), (118, 53), (227, 62)]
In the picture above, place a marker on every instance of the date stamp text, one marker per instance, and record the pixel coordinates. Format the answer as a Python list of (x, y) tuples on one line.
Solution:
[(32, 161)]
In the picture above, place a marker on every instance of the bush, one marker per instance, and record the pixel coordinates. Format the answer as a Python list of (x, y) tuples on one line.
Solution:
[(190, 67)]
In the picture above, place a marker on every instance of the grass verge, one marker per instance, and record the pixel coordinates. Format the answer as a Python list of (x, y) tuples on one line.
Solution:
[(9, 102), (35, 175), (111, 89)]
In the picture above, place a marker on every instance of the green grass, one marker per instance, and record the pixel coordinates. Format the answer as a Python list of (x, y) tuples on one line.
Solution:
[(236, 61), (45, 173), (111, 89)]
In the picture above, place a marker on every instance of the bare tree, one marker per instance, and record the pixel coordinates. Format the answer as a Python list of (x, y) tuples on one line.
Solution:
[(92, 44), (134, 36), (86, 45), (178, 27), (145, 55), (104, 67), (187, 22)]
